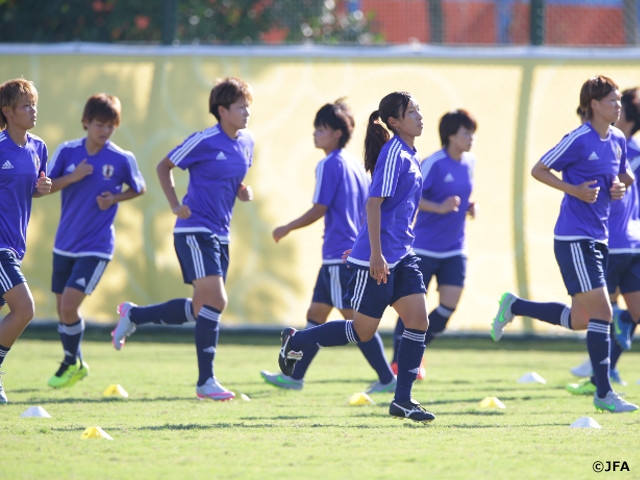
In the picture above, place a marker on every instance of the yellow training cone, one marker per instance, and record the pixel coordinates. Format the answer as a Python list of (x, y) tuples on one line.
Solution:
[(361, 399), (95, 432), (115, 391), (491, 402)]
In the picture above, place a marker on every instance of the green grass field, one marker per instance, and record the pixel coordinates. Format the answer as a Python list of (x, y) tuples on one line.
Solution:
[(163, 432)]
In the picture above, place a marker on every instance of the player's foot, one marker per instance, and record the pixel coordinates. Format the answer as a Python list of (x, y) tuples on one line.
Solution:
[(378, 387), (622, 330), (282, 381), (613, 403), (211, 389), (68, 375), (583, 370), (125, 326), (3, 396), (287, 358), (585, 387), (504, 316), (411, 410), (614, 376), (394, 368)]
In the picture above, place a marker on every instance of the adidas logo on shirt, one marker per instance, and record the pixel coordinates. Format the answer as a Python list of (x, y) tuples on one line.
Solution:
[(82, 282), (593, 156), (448, 178), (71, 168), (221, 156), (6, 165)]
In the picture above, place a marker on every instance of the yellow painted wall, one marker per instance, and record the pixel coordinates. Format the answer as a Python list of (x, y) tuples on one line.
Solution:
[(523, 106)]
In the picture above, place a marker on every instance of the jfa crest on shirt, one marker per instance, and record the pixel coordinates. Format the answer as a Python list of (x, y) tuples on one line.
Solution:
[(107, 171)]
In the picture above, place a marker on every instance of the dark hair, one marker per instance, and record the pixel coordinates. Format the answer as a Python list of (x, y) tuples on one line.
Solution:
[(596, 88), (12, 92), (227, 91), (451, 122), (393, 105), (631, 106), (337, 116), (103, 107)]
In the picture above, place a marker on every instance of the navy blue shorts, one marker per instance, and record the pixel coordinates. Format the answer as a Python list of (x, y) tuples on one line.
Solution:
[(10, 273), (448, 270), (331, 286), (81, 273), (371, 299), (623, 270), (582, 264), (201, 255)]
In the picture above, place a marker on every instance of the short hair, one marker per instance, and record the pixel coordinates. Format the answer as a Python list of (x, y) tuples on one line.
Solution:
[(227, 91), (104, 108), (12, 92), (337, 116), (631, 105), (451, 122), (596, 88)]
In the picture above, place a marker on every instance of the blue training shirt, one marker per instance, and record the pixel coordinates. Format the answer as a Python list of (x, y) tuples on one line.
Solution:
[(342, 186), (84, 229), (396, 178), (217, 165), (583, 156), (20, 168), (624, 221), (442, 235)]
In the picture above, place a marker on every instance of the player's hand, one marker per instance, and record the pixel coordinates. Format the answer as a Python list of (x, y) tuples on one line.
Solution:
[(105, 200), (345, 255), (378, 268), (82, 170), (472, 210), (280, 232), (451, 204), (245, 193), (43, 184), (618, 189), (182, 211), (586, 192)]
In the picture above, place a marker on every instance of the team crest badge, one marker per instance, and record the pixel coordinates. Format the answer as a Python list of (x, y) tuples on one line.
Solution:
[(107, 171)]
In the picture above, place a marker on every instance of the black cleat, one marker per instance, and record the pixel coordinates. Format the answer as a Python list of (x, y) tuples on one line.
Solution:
[(287, 358), (411, 410)]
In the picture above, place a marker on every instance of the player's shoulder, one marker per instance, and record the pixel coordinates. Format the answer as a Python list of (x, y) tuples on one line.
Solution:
[(117, 150), (35, 139)]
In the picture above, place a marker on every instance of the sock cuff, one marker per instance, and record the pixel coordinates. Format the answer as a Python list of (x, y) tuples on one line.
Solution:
[(414, 335), (352, 336), (188, 310), (444, 312), (565, 318), (311, 323), (598, 326), (73, 329), (210, 313)]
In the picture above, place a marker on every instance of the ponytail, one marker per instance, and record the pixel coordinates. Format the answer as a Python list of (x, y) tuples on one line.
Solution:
[(374, 140)]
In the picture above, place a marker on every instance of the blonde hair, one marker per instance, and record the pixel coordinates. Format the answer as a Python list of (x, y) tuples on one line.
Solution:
[(14, 91)]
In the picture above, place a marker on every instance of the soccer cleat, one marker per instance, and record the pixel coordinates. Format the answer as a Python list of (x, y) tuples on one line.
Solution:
[(378, 387), (583, 370), (125, 326), (394, 367), (287, 358), (68, 375), (504, 316), (613, 403), (622, 330), (213, 390), (282, 381), (3, 396), (614, 376), (411, 410), (585, 387)]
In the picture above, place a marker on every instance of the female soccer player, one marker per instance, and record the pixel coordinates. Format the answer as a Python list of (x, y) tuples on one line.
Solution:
[(340, 197), (218, 159), (91, 172), (447, 182), (384, 268), (592, 160), (22, 177)]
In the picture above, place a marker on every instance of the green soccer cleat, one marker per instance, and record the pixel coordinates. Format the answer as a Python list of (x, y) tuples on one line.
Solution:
[(68, 375), (613, 403), (622, 330), (378, 387), (504, 316), (585, 387), (282, 381)]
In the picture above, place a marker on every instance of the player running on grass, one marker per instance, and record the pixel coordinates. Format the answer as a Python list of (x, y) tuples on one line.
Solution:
[(218, 159), (340, 197), (91, 173), (592, 160), (384, 269), (22, 177)]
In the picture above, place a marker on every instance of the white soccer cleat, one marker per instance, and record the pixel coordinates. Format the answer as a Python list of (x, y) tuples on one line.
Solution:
[(125, 326)]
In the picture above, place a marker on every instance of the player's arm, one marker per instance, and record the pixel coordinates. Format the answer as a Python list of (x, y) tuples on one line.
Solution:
[(315, 213), (165, 176), (107, 199), (450, 204), (82, 170), (586, 191), (378, 267)]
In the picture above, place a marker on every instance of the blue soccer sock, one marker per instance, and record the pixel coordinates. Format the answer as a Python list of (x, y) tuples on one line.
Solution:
[(331, 334), (308, 354), (550, 312), (438, 319), (3, 353), (206, 333), (598, 348), (173, 312), (71, 336), (409, 357), (397, 335), (373, 351)]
